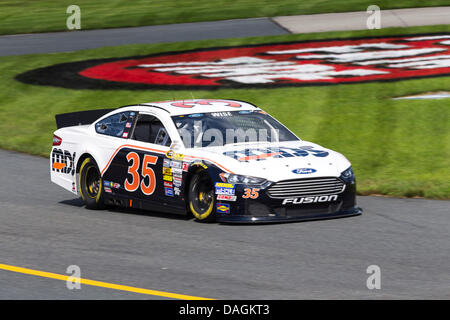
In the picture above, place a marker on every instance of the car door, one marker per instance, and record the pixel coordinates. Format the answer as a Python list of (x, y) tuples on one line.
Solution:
[(138, 167)]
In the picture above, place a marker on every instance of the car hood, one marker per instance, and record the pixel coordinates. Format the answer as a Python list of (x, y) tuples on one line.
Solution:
[(278, 161)]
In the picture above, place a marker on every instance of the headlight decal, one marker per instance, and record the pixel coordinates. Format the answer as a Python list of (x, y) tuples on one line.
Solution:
[(348, 175), (240, 179)]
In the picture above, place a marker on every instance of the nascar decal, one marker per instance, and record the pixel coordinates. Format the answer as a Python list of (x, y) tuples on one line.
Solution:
[(173, 155), (63, 161), (259, 154), (264, 65)]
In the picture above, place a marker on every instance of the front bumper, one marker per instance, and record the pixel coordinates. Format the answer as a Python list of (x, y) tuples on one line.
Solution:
[(355, 211), (265, 209)]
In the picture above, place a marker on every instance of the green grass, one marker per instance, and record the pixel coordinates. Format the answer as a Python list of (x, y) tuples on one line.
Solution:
[(397, 147), (28, 16)]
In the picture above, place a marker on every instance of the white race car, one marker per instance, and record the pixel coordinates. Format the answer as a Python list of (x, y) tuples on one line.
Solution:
[(221, 160)]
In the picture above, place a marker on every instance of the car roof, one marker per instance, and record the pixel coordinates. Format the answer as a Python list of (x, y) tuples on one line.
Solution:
[(190, 106)]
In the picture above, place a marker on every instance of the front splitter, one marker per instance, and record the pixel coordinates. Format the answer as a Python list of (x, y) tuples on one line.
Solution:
[(280, 219)]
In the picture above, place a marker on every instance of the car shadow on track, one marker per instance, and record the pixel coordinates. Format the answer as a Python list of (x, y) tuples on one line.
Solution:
[(150, 213), (78, 202)]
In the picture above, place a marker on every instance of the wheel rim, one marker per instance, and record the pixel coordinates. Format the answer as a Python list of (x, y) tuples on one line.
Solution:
[(92, 182), (202, 197)]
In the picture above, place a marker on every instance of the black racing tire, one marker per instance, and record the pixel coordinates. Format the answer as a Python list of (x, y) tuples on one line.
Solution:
[(201, 197), (90, 184)]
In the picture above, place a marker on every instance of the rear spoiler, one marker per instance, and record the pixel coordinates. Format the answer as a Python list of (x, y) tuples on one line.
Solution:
[(79, 118)]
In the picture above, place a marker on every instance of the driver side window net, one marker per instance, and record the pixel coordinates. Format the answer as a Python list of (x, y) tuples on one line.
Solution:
[(150, 129)]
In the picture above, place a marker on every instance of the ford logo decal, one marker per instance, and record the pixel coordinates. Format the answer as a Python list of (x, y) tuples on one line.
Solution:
[(304, 170)]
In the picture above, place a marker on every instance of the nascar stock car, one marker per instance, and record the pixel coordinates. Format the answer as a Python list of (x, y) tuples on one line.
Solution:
[(221, 160)]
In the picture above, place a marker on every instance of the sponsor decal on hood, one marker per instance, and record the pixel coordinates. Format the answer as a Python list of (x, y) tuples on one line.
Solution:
[(258, 154), (304, 170)]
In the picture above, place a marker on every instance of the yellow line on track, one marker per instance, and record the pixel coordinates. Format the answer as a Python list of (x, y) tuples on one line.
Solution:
[(99, 283)]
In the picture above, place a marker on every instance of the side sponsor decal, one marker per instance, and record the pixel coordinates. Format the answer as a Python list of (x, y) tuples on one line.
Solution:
[(225, 188), (299, 63), (222, 207), (177, 181), (168, 191), (167, 171), (224, 185), (158, 151), (176, 164), (177, 171), (166, 163), (63, 161), (200, 164), (225, 197), (111, 184), (168, 184)]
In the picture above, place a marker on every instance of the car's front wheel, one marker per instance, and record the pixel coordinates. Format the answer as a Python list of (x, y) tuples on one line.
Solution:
[(201, 197), (90, 184)]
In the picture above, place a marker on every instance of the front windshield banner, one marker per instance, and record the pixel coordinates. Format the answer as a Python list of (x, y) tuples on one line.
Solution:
[(215, 129)]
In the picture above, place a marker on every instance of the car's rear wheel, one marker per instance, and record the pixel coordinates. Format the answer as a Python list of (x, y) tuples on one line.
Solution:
[(201, 197), (90, 184)]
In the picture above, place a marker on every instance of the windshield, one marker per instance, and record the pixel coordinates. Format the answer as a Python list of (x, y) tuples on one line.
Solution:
[(221, 128)]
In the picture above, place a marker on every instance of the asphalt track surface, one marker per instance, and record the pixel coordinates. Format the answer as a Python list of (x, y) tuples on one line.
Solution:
[(44, 227), (89, 39)]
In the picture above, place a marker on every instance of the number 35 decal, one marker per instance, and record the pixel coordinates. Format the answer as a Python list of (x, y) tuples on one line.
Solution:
[(132, 186), (250, 193)]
